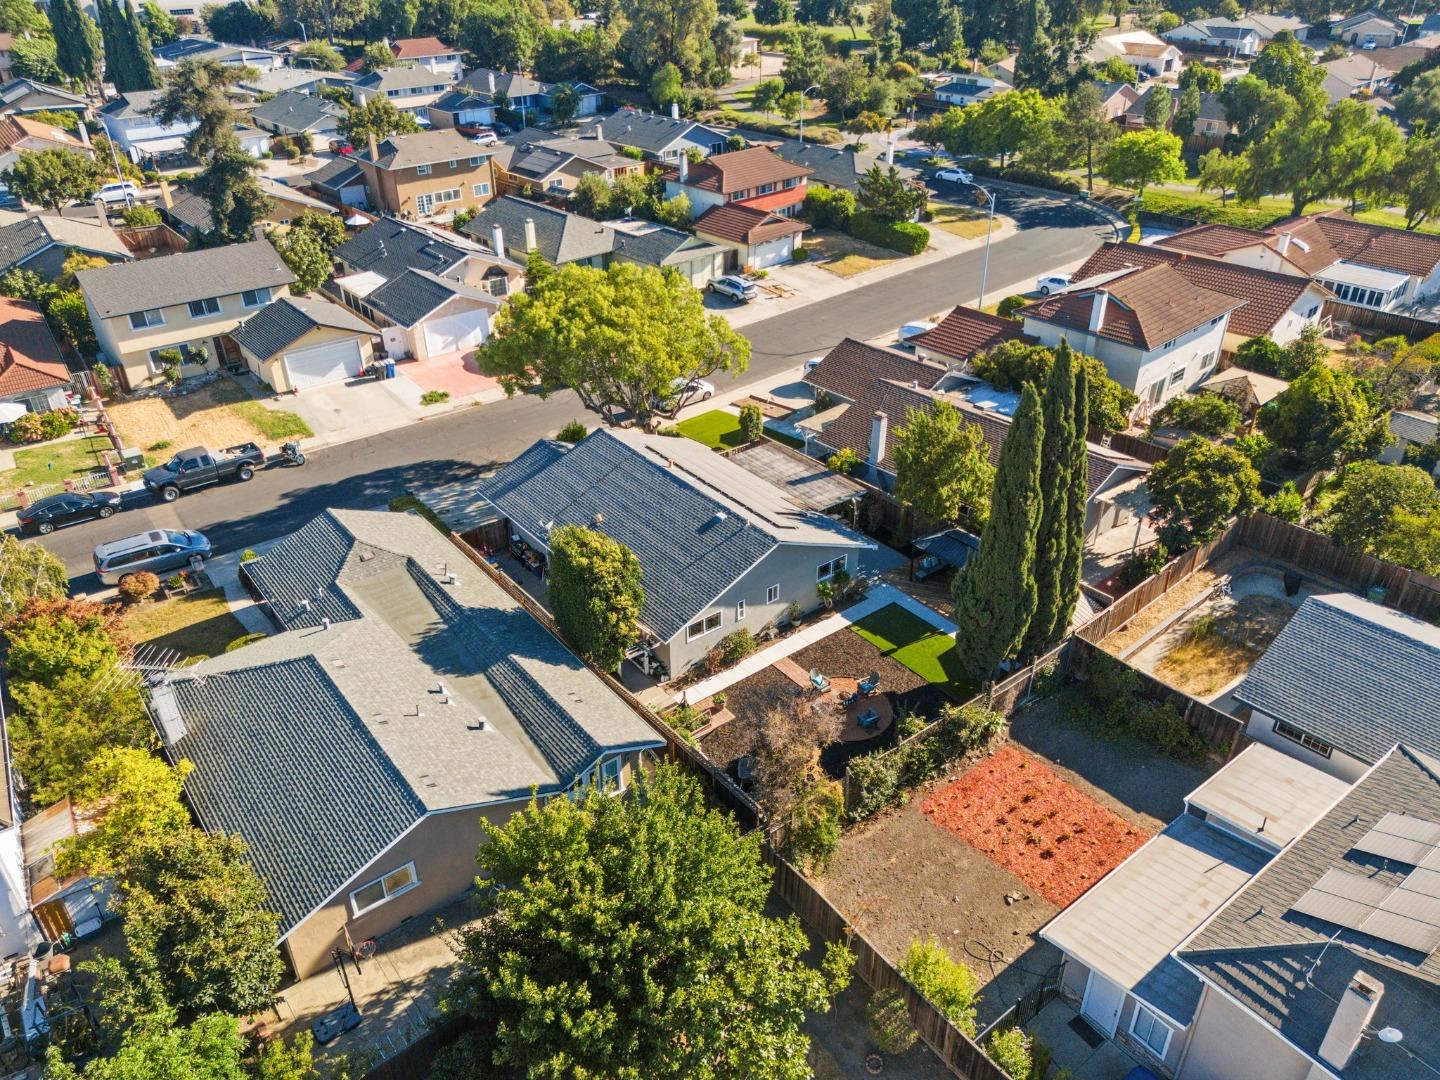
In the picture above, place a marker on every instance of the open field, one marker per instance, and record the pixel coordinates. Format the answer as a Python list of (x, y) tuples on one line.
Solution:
[(218, 415)]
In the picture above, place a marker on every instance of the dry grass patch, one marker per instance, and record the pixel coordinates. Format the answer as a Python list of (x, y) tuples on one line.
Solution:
[(1218, 647), (959, 220), (219, 415), (844, 255)]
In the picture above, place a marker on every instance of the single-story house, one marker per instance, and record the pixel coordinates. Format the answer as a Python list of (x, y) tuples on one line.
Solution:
[(189, 214), (963, 334), (1355, 75), (303, 341), (78, 904), (42, 242), (968, 89), (295, 113), (720, 550), (659, 138), (1411, 427), (29, 95), (1141, 49), (636, 240), (473, 100), (1235, 39), (22, 135), (837, 167), (756, 238), (32, 369), (1268, 26), (1369, 27), (1344, 681), (407, 705), (543, 162), (192, 47), (302, 80)]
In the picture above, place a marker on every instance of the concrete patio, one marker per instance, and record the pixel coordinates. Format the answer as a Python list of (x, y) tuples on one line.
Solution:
[(1055, 1026)]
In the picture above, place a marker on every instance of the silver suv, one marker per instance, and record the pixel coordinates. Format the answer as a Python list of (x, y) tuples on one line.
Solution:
[(156, 551), (737, 288)]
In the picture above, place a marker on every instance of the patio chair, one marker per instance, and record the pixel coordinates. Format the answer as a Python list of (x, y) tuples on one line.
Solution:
[(820, 683), (870, 684), (868, 720)]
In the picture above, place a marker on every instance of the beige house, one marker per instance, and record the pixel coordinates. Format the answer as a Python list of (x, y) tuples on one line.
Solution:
[(405, 702), (189, 302), (430, 172), (303, 341)]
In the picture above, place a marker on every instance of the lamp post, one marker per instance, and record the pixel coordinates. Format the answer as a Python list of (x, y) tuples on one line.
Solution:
[(989, 197), (802, 110), (304, 35)]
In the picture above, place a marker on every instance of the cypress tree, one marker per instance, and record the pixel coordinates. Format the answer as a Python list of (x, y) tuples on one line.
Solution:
[(146, 74), (995, 595), (110, 43), (1056, 460), (1079, 484)]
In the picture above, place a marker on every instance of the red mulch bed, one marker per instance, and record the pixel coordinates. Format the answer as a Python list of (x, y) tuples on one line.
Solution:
[(1050, 835)]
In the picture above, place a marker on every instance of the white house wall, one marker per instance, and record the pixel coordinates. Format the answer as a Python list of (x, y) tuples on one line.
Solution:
[(1227, 1042), (1261, 728), (1137, 369), (18, 931)]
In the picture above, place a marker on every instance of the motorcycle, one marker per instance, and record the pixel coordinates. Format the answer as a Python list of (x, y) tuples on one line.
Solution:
[(290, 454)]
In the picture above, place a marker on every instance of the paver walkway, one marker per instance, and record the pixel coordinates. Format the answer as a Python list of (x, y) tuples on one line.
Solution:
[(792, 671)]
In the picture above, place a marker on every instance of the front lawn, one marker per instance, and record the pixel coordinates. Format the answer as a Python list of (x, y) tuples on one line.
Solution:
[(218, 415), (720, 430), (911, 641), (54, 462), (196, 625), (275, 424), (959, 220), (845, 256)]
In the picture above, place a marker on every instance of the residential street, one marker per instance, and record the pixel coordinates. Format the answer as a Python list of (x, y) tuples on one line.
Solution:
[(369, 472)]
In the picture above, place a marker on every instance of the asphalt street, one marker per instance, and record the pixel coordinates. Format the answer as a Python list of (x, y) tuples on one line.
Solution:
[(369, 472)]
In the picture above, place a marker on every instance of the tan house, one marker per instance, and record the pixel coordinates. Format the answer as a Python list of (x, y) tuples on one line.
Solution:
[(21, 134), (430, 172), (303, 341), (189, 214), (190, 301), (406, 702)]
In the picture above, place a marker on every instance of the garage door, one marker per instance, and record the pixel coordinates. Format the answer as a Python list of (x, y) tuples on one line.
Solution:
[(456, 333), (320, 364), (774, 252)]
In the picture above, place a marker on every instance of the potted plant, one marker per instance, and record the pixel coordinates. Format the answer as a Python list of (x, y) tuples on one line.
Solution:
[(717, 702)]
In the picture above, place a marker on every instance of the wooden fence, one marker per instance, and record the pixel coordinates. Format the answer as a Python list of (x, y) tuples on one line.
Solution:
[(1379, 323), (150, 241), (1143, 449)]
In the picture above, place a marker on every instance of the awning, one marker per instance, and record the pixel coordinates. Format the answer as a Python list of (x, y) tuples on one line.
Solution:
[(952, 547), (10, 411), (170, 145), (361, 284)]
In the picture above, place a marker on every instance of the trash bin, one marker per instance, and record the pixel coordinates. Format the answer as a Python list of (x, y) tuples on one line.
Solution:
[(389, 369)]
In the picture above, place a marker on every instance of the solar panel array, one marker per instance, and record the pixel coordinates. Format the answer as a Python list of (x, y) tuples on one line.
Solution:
[(1407, 914)]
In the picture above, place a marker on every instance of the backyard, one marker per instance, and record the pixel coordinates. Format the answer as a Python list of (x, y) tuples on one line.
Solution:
[(219, 415), (913, 642), (54, 462), (195, 625), (1217, 647), (720, 430)]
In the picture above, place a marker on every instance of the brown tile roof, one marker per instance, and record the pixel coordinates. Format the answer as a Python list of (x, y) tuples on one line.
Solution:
[(1385, 248), (740, 170), (29, 358), (15, 128), (1211, 239), (745, 224), (1147, 308), (965, 332), (414, 48), (851, 368), (1267, 295)]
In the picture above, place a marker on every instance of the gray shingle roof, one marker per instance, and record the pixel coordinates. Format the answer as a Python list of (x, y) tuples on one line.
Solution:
[(460, 99), (403, 77), (190, 210), (135, 104), (1414, 427), (652, 132), (561, 236), (832, 165), (284, 322), (658, 245), (409, 297), (292, 111), (177, 279), (391, 247), (1258, 951), (423, 148), (1358, 675), (22, 240), (342, 172), (506, 82)]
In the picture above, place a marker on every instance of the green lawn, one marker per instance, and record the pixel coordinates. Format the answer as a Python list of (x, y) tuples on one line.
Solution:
[(54, 462), (196, 625), (273, 424), (720, 430), (910, 640)]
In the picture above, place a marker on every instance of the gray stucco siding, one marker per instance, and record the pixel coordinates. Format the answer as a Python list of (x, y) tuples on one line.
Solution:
[(1227, 1042)]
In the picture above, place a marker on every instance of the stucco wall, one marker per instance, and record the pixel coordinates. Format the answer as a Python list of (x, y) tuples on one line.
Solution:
[(1226, 1042), (1261, 728), (273, 371)]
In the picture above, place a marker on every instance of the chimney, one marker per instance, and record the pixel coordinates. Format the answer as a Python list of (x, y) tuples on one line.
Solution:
[(497, 240), (166, 199), (490, 81), (890, 151), (374, 147), (530, 244), (684, 166), (599, 129), (1283, 244), (879, 430), (674, 110), (1097, 310), (1352, 1016)]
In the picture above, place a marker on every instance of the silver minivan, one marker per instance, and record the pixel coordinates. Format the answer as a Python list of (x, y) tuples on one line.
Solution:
[(156, 551)]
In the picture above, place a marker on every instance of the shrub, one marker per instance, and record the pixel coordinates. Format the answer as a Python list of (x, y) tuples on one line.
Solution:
[(1204, 414), (1022, 174), (889, 1022), (875, 779), (1143, 564), (752, 422), (829, 208), (884, 778), (1287, 504), (248, 555), (1115, 707), (246, 639), (104, 380), (947, 983), (434, 397), (156, 447), (1010, 305), (573, 432), (800, 255), (26, 429), (139, 586), (736, 646), (813, 826), (40, 427), (844, 461), (1010, 1049), (905, 237)]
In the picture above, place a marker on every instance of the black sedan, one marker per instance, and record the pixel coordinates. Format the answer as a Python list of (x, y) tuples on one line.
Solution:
[(44, 516)]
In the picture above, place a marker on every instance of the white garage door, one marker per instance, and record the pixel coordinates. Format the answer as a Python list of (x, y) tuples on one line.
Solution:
[(456, 333), (773, 252), (320, 364)]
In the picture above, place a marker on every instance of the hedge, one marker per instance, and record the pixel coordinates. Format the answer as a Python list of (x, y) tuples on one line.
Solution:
[(1199, 209), (1021, 174), (884, 778), (905, 237)]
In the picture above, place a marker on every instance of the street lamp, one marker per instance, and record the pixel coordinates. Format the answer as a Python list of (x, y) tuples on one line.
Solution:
[(304, 36), (802, 110), (989, 198)]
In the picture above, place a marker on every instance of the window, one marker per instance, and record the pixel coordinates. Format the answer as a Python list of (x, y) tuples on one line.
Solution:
[(1208, 360), (764, 189), (474, 161), (792, 182), (1216, 320), (1315, 310), (738, 195), (255, 297), (448, 195), (1177, 376), (454, 163), (377, 892), (700, 627), (422, 170), (481, 190), (156, 364), (826, 570), (772, 594), (1150, 1031), (1304, 738), (740, 611), (139, 320), (201, 308)]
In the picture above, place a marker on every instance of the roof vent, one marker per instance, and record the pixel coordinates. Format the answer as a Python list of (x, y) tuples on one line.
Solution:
[(366, 556), (303, 605), (599, 519), (480, 725), (325, 624), (720, 515)]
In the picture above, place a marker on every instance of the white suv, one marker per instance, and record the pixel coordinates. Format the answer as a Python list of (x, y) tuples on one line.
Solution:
[(735, 287), (121, 191)]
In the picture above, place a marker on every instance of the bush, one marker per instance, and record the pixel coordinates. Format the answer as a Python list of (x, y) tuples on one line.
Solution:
[(1142, 565), (736, 646), (889, 1022), (40, 427), (800, 255), (829, 208), (573, 432), (875, 779), (752, 422), (1010, 1049), (844, 461), (1010, 305), (139, 586), (1115, 706), (1204, 414), (905, 237), (947, 983), (434, 397), (1022, 174), (884, 778), (1197, 209), (813, 826), (1287, 504)]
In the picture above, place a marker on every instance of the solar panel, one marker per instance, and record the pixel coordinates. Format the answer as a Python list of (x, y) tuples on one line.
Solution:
[(1403, 838), (1412, 828), (1402, 931), (1422, 881), (1333, 909)]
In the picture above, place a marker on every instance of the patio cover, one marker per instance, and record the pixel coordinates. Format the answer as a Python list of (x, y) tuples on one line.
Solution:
[(952, 547)]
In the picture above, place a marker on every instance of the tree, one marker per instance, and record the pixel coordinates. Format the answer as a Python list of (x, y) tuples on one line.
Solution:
[(1361, 152), (1205, 79), (564, 103), (307, 259), (1393, 370), (133, 798), (666, 86), (768, 93), (377, 57), (668, 32), (1139, 158), (1371, 494), (1073, 566), (1260, 354), (237, 202), (140, 216), (22, 19), (1198, 488), (199, 90), (141, 64), (1220, 172), (888, 197), (1212, 415), (70, 318), (1187, 111), (1287, 65), (158, 1049), (1157, 107), (1253, 107), (1013, 363), (160, 26), (35, 58), (595, 593), (77, 45), (1115, 70), (752, 422), (54, 178), (322, 56), (28, 571), (501, 34), (1413, 540), (791, 105), (1007, 124), (942, 466), (1420, 101), (1084, 127), (1415, 180), (1324, 419), (378, 117), (995, 593), (1058, 528), (645, 917), (623, 338), (1286, 159), (773, 12), (397, 17), (805, 61)]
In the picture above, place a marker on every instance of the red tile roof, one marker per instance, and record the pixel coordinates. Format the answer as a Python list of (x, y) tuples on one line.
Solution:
[(418, 47), (15, 128), (739, 170), (29, 358), (1212, 239), (743, 225), (965, 332)]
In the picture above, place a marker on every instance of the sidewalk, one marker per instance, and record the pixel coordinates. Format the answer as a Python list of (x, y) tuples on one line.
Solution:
[(224, 572)]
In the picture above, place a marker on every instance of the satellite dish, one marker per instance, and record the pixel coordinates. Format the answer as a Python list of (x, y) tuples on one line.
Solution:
[(1390, 1035)]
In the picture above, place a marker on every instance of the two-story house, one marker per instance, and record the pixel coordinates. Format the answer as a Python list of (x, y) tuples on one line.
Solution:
[(968, 89), (754, 177), (658, 137), (429, 172), (137, 133), (410, 89), (1156, 331), (542, 162), (187, 302), (838, 166), (430, 53)]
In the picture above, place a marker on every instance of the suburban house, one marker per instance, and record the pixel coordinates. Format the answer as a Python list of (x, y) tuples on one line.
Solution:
[(1116, 98), (720, 548), (296, 113), (42, 242), (76, 905), (1411, 428), (18, 929), (659, 138), (1369, 28), (968, 89), (755, 178), (756, 238), (199, 48), (1141, 49), (648, 244), (139, 135), (1224, 36), (1357, 75), (340, 182), (836, 167), (410, 89), (1324, 964), (27, 96), (544, 163), (425, 173), (430, 53), (475, 98), (1362, 264), (363, 799), (301, 80), (963, 334), (1268, 25), (20, 134), (1314, 694), (872, 391), (1248, 389), (189, 301), (190, 215), (303, 341), (1272, 304), (1155, 330), (32, 369), (1133, 115), (1118, 938), (1212, 122)]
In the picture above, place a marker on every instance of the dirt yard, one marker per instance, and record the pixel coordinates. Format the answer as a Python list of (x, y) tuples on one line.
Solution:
[(203, 418), (844, 255), (1220, 645)]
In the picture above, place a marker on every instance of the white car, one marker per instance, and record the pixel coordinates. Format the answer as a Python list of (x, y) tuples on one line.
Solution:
[(684, 392), (1052, 283), (955, 176), (913, 329), (737, 288), (119, 192), (485, 137), (1369, 46)]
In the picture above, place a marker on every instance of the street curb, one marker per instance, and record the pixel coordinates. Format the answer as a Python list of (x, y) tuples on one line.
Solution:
[(1116, 221)]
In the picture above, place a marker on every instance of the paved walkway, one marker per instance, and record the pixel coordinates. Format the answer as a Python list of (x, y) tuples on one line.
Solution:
[(224, 572), (1055, 1026)]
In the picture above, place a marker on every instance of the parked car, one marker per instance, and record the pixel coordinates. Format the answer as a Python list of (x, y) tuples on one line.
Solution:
[(485, 137), (44, 516), (1052, 283), (197, 467), (737, 288), (122, 191), (683, 392), (1369, 46), (955, 176), (156, 551), (912, 329), (340, 146)]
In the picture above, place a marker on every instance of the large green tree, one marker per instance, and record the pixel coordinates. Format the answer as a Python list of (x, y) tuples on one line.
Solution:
[(805, 61), (667, 32), (623, 338), (77, 42), (942, 466), (1084, 127), (199, 90), (1325, 419), (1057, 529), (1076, 510), (501, 34), (887, 197), (1287, 65), (1138, 159), (1371, 494), (1011, 364), (160, 26), (1415, 180), (229, 184), (996, 594), (141, 64), (35, 58), (54, 178), (595, 593), (627, 938), (1198, 488), (378, 117), (134, 798), (28, 571)]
